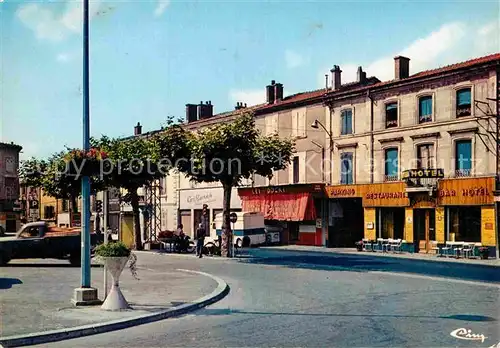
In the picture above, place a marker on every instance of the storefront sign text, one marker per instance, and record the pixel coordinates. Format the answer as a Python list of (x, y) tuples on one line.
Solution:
[(341, 192), (468, 192), (201, 198), (423, 173), (268, 190), (386, 195)]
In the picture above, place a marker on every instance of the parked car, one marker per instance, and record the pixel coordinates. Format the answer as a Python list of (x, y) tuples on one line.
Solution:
[(38, 240)]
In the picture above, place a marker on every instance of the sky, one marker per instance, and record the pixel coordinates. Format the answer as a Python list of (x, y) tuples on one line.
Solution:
[(150, 58)]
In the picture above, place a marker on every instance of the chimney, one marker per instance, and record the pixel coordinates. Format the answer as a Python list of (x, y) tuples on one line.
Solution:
[(336, 72), (239, 105), (361, 75), (205, 110), (191, 112), (138, 129), (270, 92), (278, 92), (401, 67)]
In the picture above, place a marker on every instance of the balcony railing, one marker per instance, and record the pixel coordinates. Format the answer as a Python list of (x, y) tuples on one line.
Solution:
[(391, 178), (462, 173), (463, 111), (391, 123)]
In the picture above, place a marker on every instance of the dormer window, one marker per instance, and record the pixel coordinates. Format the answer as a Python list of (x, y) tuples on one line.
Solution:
[(391, 115), (464, 102)]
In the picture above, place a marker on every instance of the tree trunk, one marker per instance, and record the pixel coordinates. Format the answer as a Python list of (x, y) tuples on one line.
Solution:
[(134, 201), (227, 233), (74, 204)]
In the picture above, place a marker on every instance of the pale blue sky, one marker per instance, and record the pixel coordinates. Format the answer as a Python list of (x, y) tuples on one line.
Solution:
[(150, 58)]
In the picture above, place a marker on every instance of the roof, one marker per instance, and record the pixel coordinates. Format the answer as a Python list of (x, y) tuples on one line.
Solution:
[(492, 58), (11, 146)]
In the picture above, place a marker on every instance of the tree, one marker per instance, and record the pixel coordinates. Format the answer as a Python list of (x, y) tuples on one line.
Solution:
[(136, 162), (230, 152), (54, 178)]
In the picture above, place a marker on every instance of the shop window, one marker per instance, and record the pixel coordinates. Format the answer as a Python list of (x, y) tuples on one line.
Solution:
[(425, 109), (425, 156), (186, 222), (65, 205), (48, 212), (393, 221), (391, 115), (346, 168), (346, 119), (463, 158), (464, 102), (465, 224), (391, 165), (296, 168)]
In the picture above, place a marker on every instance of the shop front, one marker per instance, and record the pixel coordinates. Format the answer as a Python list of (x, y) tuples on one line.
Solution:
[(295, 209), (345, 211), (467, 208), (191, 203)]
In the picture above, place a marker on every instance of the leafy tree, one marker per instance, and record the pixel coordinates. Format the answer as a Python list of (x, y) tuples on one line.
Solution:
[(54, 178), (136, 162), (230, 152)]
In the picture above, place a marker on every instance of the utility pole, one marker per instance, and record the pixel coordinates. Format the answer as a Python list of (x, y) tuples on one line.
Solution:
[(105, 216), (85, 295)]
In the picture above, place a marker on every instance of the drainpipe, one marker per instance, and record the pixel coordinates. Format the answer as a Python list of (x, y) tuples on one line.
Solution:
[(372, 139)]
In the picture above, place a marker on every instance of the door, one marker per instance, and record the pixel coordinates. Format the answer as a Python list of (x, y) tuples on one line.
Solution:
[(424, 228)]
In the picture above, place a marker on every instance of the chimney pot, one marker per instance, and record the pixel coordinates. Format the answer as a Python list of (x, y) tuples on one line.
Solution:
[(336, 77), (273, 82), (361, 75), (138, 129), (401, 67), (245, 104), (278, 92)]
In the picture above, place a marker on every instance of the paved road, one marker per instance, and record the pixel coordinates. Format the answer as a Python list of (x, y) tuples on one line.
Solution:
[(309, 300)]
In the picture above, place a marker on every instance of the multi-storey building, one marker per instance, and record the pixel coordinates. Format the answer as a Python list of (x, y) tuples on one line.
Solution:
[(416, 156), (9, 186)]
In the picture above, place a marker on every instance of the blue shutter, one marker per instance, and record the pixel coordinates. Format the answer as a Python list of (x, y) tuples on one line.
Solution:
[(463, 97), (463, 155), (346, 174), (425, 107), (391, 162), (349, 122)]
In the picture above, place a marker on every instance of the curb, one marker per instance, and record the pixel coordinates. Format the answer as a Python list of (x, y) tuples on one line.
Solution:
[(87, 330), (393, 257)]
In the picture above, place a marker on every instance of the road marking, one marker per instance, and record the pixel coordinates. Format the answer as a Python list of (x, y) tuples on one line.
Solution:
[(418, 276)]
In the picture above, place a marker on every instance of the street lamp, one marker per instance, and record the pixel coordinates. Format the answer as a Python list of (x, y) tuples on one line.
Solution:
[(85, 295)]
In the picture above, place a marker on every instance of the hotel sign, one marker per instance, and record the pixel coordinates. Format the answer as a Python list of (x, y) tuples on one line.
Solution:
[(467, 191), (423, 174)]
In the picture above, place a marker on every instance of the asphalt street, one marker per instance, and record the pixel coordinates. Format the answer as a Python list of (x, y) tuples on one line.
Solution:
[(305, 299)]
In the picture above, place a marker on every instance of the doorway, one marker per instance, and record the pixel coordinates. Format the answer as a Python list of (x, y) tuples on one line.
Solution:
[(424, 229)]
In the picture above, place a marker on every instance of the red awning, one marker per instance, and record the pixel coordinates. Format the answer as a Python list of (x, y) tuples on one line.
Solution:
[(281, 206)]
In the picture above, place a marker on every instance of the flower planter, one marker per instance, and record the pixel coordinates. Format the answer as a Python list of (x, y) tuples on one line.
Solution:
[(484, 253), (115, 300)]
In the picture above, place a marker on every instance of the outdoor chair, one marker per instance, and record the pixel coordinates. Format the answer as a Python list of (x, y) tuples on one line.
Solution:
[(435, 246), (467, 250), (397, 246), (447, 249)]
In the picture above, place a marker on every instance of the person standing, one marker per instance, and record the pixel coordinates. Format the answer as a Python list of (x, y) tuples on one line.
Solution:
[(200, 239)]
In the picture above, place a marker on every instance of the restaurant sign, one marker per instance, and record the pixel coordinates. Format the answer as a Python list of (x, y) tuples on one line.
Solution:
[(467, 191), (423, 174)]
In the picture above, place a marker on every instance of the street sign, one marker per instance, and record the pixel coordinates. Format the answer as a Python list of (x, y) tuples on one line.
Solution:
[(233, 218)]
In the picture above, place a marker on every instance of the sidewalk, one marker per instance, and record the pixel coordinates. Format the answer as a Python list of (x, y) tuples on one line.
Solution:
[(411, 256), (35, 295)]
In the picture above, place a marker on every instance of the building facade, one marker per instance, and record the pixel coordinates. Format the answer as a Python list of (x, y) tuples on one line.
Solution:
[(9, 187), (417, 157)]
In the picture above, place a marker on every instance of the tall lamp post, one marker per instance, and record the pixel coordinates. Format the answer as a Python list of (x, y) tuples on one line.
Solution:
[(325, 203), (85, 295)]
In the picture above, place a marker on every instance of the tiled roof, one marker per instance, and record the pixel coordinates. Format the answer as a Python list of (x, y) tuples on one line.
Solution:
[(433, 72), (11, 145)]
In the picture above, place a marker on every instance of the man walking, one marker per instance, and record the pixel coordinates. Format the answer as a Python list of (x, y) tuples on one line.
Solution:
[(200, 239)]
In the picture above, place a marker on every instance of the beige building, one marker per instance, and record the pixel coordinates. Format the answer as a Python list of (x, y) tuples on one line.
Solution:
[(442, 120), (9, 187)]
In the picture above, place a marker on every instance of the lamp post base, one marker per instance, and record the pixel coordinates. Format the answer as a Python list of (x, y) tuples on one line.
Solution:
[(85, 297)]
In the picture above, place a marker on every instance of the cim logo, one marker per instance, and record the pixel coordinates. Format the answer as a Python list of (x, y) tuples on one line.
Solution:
[(466, 334)]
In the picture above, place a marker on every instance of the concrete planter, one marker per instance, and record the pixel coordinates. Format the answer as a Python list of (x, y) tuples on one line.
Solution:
[(115, 301)]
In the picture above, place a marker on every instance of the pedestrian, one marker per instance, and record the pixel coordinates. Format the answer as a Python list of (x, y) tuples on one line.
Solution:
[(200, 239)]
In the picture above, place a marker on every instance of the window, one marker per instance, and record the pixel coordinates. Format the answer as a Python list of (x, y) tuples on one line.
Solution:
[(425, 156), (49, 212), (464, 102), (391, 115), (425, 109), (298, 123), (346, 168), (65, 205), (10, 165), (391, 165), (463, 158), (346, 119), (295, 169)]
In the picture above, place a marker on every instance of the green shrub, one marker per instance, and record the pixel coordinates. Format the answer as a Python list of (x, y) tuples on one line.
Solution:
[(113, 249)]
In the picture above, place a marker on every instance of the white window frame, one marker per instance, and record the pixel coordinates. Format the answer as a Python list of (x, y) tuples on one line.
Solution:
[(426, 142), (345, 108), (472, 140), (433, 114), (384, 149), (456, 88), (392, 101), (353, 152)]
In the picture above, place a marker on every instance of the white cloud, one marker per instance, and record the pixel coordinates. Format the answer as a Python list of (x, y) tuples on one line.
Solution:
[(63, 57), (293, 59), (46, 25), (161, 7), (250, 96), (451, 43)]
